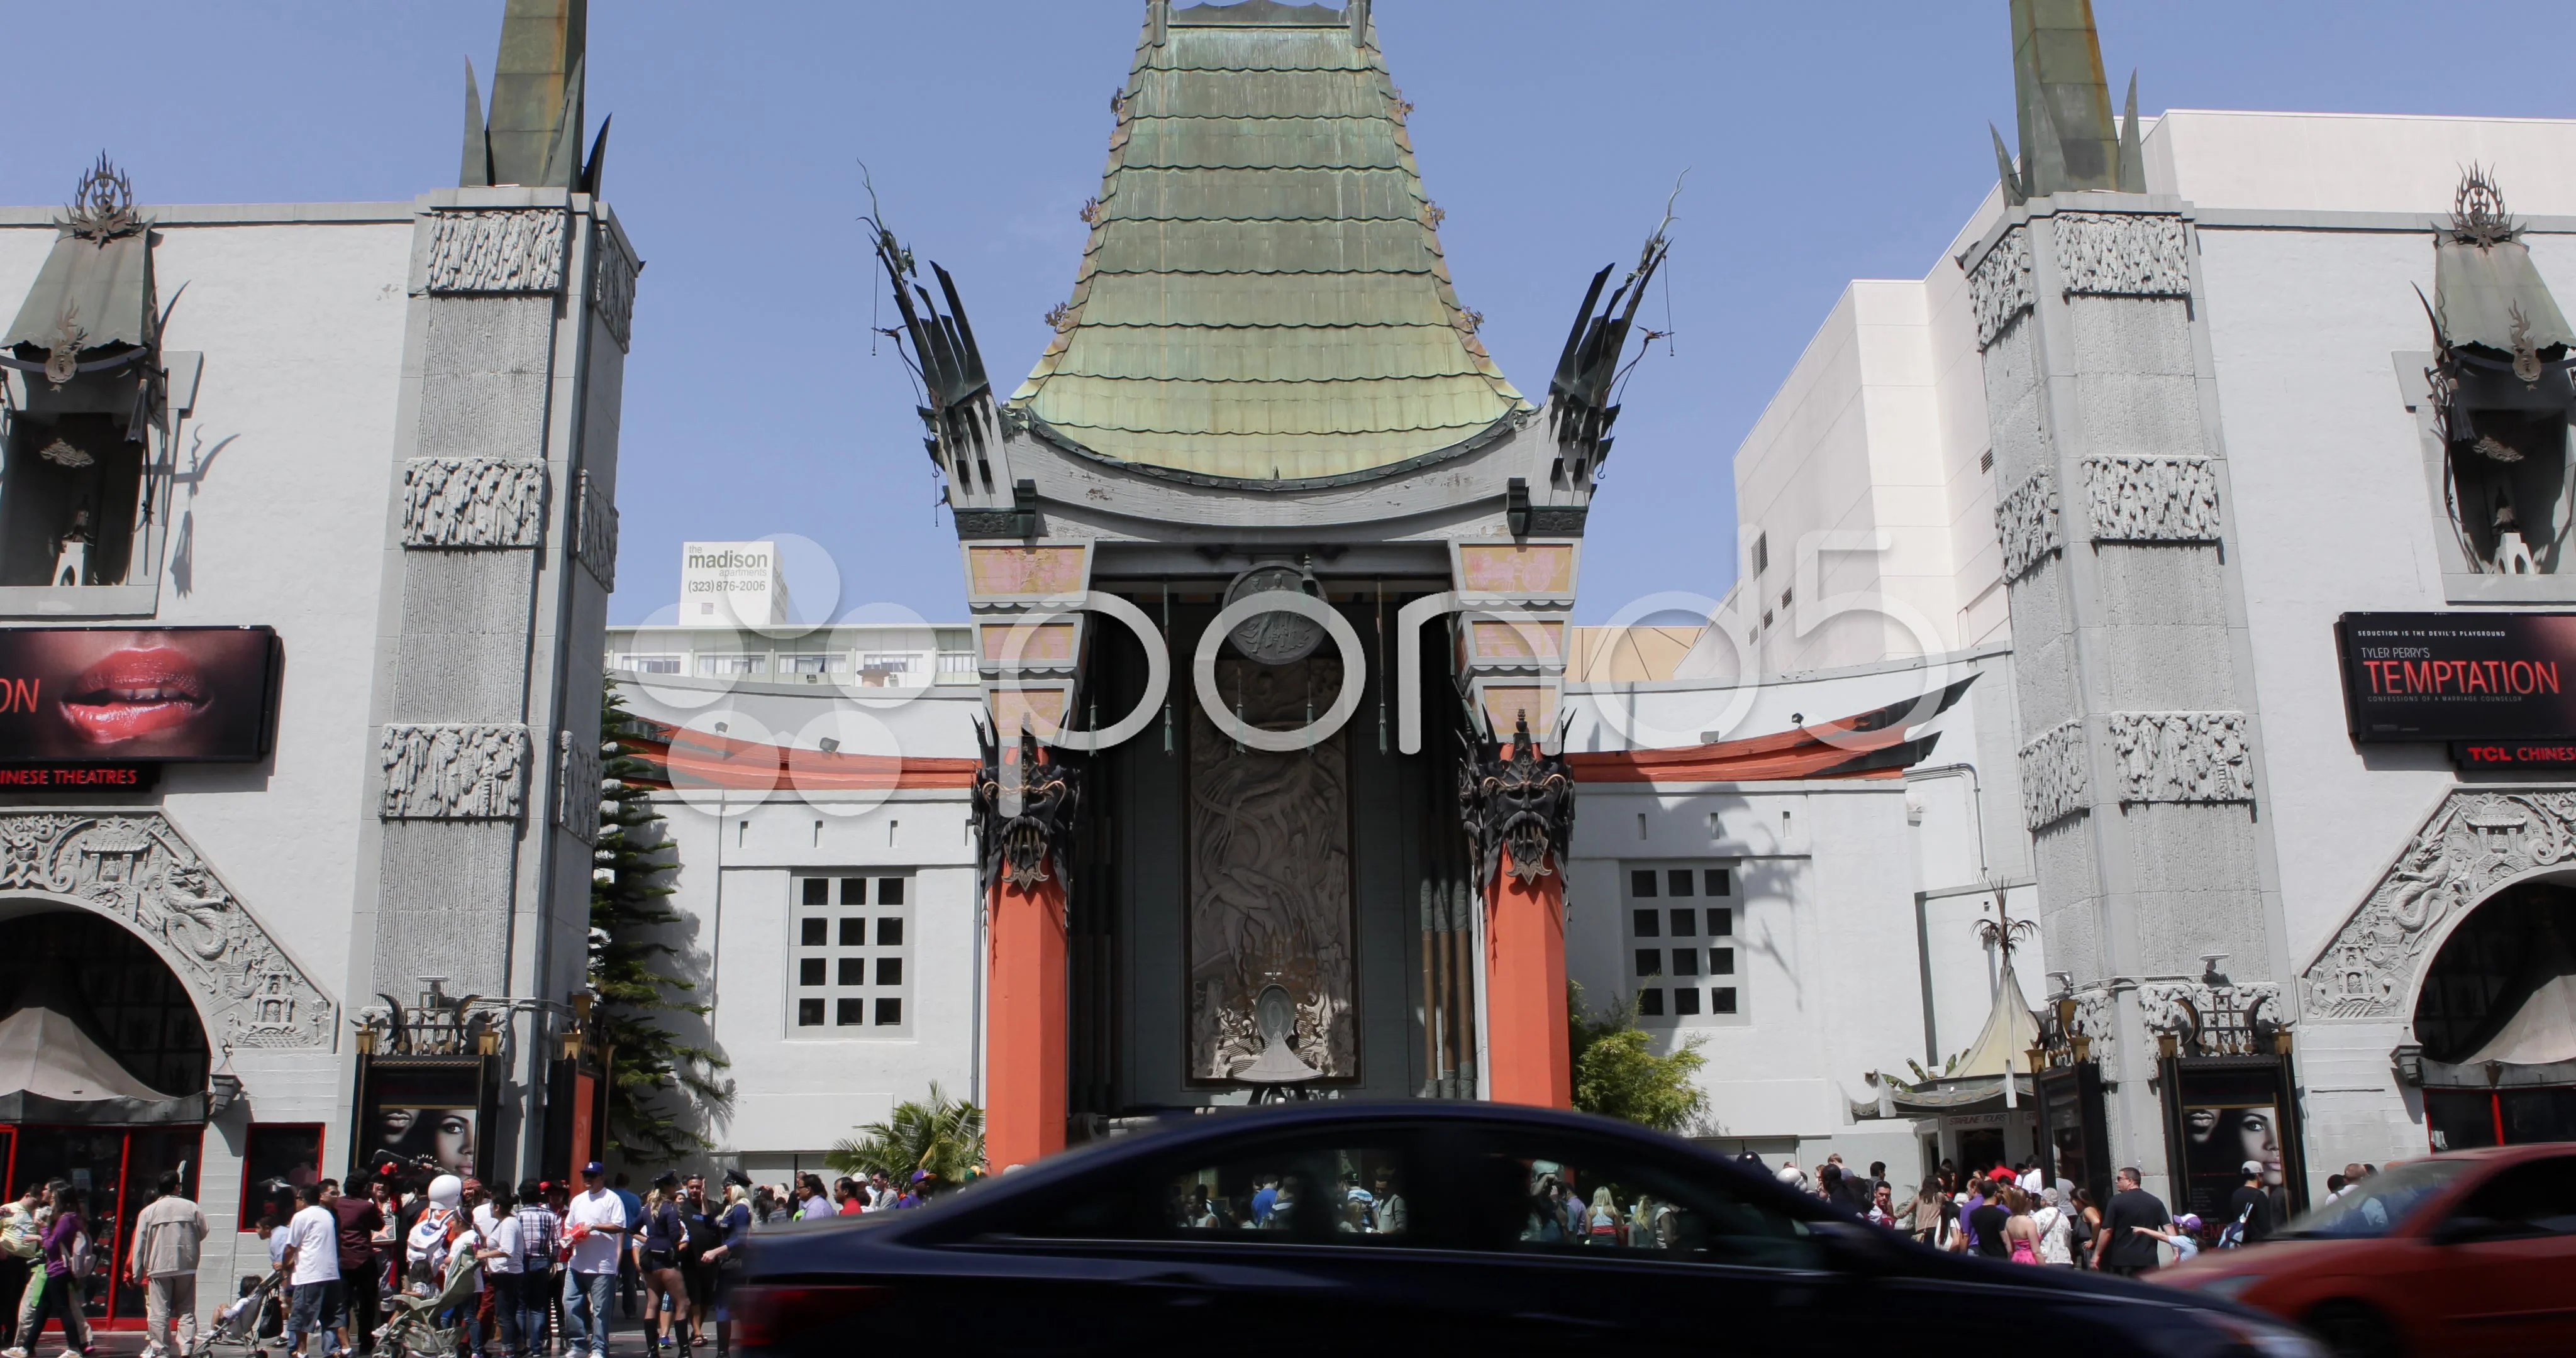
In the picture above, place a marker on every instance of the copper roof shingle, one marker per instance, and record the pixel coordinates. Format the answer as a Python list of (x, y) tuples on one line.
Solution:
[(1262, 296)]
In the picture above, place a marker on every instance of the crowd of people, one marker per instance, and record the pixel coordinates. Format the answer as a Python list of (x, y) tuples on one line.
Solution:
[(51, 1263), (2012, 1213)]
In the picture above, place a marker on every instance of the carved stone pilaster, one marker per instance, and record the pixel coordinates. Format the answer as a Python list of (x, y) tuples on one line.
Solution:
[(2097, 1016), (2054, 778), (595, 532), (2182, 756), (612, 286), (2026, 522), (136, 867), (2123, 254), (1999, 287), (454, 771), (2473, 842), (578, 781), (473, 502), (2151, 499), (496, 250)]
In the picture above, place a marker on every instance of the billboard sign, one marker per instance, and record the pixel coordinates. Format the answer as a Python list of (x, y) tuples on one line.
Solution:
[(73, 696), (2458, 676), (731, 584)]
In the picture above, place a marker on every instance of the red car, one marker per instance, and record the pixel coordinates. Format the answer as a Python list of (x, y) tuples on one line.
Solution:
[(2468, 1253)]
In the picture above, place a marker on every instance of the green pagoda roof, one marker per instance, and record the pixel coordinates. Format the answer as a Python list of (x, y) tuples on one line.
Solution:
[(1263, 296)]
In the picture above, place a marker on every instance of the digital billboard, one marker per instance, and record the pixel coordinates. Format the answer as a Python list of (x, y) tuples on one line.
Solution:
[(2458, 676), (83, 695)]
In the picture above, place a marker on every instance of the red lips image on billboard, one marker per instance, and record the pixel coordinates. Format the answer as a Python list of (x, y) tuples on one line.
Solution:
[(73, 694)]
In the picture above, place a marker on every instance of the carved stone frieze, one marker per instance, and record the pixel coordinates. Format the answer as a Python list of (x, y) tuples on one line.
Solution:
[(134, 865), (2207, 1021), (496, 250), (473, 502), (2097, 1016), (2182, 756), (577, 783), (612, 286), (2026, 522), (2473, 842), (454, 771), (2151, 499), (2123, 254), (2054, 780), (595, 532), (1999, 287)]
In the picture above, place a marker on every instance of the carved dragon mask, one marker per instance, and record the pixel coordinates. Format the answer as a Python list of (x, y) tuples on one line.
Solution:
[(1522, 802), (1023, 810)]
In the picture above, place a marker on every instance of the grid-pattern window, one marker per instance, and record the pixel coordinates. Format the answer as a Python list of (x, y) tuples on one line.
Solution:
[(1681, 941), (850, 935)]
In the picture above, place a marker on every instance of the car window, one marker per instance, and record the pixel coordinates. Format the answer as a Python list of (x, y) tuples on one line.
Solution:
[(1346, 1190), (2535, 1198), (1582, 1198), (2377, 1205)]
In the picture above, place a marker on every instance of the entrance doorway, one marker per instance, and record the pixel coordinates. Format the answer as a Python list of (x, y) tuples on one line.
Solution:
[(1980, 1149), (112, 1096), (2499, 1057)]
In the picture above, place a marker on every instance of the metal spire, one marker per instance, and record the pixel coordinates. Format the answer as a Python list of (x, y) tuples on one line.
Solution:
[(536, 98), (2069, 141)]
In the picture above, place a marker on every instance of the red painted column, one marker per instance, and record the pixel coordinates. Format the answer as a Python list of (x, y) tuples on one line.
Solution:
[(1024, 1028), (1528, 1058)]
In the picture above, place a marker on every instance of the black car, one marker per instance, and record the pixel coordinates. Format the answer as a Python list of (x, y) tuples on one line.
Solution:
[(1337, 1228)]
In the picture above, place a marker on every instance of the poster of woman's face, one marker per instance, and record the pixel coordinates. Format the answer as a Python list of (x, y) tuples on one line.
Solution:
[(2219, 1139), (425, 1115)]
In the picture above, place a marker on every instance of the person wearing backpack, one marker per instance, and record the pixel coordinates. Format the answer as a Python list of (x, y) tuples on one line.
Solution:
[(2250, 1210)]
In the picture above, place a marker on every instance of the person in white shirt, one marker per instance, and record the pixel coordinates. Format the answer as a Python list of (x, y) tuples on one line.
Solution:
[(596, 1224), (504, 1244), (313, 1270)]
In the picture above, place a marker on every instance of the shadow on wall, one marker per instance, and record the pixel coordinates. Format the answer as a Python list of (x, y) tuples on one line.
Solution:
[(183, 542)]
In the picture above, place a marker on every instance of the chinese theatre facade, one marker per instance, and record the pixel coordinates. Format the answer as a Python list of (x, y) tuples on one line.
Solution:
[(1263, 513)]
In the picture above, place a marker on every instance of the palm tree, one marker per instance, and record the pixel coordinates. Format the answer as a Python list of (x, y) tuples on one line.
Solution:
[(941, 1136)]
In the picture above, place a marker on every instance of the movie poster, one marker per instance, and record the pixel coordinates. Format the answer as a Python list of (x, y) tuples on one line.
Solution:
[(2226, 1120), (2458, 676), (76, 694), (429, 1112)]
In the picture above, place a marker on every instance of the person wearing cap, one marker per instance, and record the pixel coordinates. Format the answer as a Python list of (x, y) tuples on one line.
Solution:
[(2251, 1206), (597, 1226)]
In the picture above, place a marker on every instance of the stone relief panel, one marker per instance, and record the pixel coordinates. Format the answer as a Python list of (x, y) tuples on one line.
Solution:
[(503, 250), (454, 771), (2182, 756), (473, 502), (2026, 521), (595, 532), (2054, 783), (2097, 1016), (578, 777), (1270, 898), (2473, 842), (2123, 254), (612, 286), (1999, 287), (2151, 499), (137, 867)]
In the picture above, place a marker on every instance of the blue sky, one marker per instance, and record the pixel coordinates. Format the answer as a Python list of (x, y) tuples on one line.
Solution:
[(1825, 142)]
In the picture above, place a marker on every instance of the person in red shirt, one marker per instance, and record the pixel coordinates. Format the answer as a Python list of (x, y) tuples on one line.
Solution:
[(852, 1201)]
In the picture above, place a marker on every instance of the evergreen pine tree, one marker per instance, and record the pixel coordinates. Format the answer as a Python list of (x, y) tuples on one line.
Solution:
[(659, 1085)]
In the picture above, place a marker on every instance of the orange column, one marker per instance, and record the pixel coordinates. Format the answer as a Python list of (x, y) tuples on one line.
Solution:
[(1526, 1046), (1024, 1029)]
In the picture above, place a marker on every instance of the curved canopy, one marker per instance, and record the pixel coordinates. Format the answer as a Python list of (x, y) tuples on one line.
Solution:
[(52, 1071), (2542, 1032)]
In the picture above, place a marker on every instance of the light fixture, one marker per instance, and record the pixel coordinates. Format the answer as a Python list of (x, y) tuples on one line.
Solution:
[(487, 1041), (2408, 1058), (222, 1087), (2166, 1046), (2083, 1048), (367, 1040)]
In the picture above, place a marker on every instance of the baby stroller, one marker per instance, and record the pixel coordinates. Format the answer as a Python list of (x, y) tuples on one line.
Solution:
[(414, 1331), (236, 1325)]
